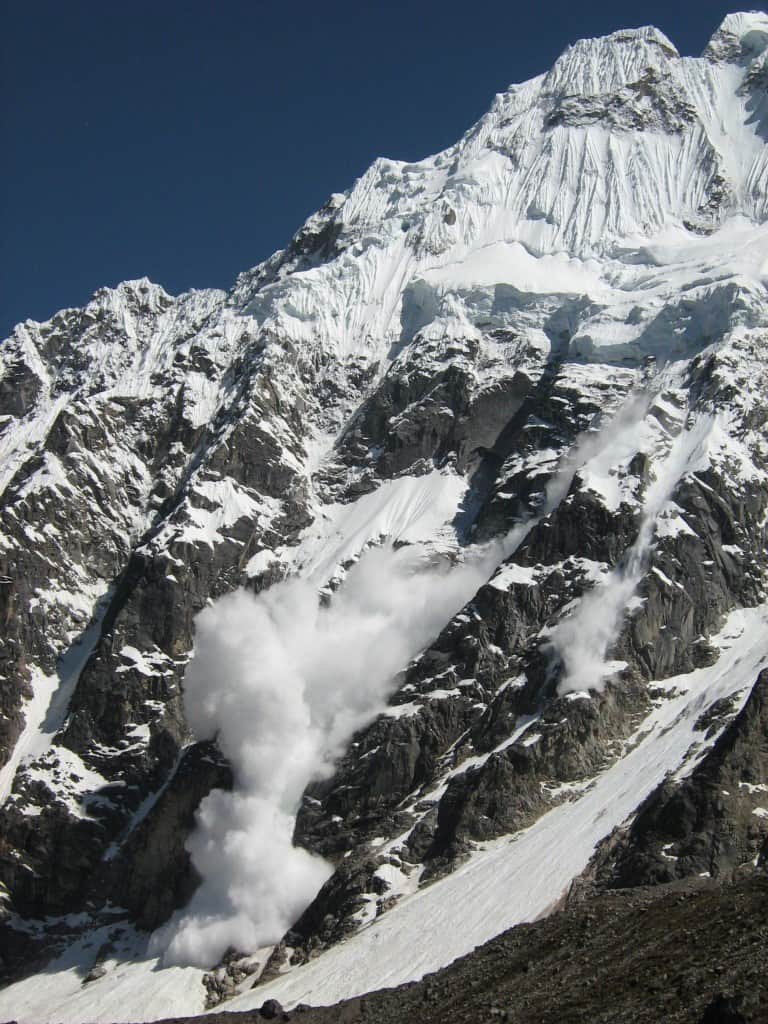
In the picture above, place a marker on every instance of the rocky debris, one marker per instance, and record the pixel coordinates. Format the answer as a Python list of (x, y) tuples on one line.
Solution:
[(224, 981), (96, 972)]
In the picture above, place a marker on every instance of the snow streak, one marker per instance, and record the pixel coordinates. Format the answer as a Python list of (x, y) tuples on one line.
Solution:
[(581, 641)]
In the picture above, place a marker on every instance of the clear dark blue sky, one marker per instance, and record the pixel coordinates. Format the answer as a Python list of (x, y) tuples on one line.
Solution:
[(187, 140)]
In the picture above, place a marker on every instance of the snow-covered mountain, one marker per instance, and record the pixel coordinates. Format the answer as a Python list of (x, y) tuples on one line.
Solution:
[(481, 460)]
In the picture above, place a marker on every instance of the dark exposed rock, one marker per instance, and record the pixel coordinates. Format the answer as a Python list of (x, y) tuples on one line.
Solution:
[(707, 823), (400, 757), (19, 389), (651, 103), (417, 414), (723, 1010), (271, 1010), (152, 875)]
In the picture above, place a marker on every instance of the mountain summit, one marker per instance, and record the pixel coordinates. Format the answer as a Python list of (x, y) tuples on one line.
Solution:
[(416, 584)]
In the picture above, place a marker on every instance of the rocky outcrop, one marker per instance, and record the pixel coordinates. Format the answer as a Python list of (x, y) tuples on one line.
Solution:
[(714, 823), (151, 874)]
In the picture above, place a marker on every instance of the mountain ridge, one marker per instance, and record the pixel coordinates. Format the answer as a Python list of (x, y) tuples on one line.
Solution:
[(542, 347)]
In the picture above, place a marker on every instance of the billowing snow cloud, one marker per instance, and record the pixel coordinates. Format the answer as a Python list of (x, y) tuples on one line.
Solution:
[(282, 683)]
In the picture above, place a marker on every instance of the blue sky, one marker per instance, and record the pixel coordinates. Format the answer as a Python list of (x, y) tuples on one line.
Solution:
[(186, 141)]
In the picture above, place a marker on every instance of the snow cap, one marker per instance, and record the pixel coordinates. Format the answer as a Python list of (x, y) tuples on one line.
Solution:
[(740, 38), (606, 63)]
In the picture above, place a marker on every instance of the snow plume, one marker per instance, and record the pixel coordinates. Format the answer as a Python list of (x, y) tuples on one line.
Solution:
[(580, 642), (283, 683), (600, 447)]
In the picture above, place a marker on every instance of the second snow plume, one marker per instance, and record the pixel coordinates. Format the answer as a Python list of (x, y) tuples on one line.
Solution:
[(283, 683), (581, 641)]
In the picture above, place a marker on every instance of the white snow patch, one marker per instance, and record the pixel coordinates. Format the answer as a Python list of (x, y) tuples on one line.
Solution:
[(45, 711), (409, 509)]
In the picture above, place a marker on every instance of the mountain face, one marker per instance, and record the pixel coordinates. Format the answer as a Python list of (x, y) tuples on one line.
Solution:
[(470, 485)]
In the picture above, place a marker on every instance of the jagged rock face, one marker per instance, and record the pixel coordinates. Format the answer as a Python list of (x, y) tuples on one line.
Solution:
[(550, 338), (153, 874), (709, 824)]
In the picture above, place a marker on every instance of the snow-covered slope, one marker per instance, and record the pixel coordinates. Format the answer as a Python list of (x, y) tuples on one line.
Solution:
[(539, 355)]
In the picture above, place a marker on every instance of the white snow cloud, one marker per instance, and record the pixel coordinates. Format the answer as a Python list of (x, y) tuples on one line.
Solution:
[(595, 450), (283, 683)]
